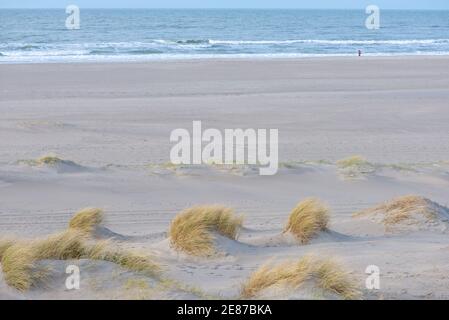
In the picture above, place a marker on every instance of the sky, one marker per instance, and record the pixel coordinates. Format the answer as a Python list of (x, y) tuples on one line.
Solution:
[(308, 4)]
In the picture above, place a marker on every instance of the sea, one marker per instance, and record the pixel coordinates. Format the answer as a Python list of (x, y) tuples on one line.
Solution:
[(41, 35)]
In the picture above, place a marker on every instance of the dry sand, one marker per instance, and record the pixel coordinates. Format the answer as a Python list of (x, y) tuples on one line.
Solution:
[(114, 121)]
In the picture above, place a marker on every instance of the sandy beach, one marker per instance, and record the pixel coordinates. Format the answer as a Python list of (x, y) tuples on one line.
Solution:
[(110, 125)]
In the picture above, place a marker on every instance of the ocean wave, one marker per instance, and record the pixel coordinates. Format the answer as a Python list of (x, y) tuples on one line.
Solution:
[(289, 42), (193, 41), (158, 44), (20, 46), (28, 47), (131, 52), (202, 48), (158, 57), (330, 42), (44, 53), (281, 42)]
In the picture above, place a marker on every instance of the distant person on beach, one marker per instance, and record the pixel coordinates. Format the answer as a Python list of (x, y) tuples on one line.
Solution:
[(360, 53)]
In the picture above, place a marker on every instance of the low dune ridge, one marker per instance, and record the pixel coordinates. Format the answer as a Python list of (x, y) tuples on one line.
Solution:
[(54, 162), (355, 167), (180, 170), (409, 212), (192, 230), (50, 160), (19, 257), (307, 219), (238, 169), (211, 168), (324, 274), (41, 125), (351, 168)]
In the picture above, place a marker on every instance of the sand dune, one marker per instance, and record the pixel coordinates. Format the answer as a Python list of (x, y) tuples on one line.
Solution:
[(354, 134), (409, 213)]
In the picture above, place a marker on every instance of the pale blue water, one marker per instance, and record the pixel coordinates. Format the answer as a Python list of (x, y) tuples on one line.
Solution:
[(122, 34)]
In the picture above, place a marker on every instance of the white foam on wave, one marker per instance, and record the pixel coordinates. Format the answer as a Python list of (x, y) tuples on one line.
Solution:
[(168, 57), (160, 49), (326, 42)]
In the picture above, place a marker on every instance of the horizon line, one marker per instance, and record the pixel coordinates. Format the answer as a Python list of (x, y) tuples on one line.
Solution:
[(232, 8)]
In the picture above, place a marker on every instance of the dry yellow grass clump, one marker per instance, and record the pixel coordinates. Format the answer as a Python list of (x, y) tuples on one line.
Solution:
[(18, 258), (307, 219), (403, 209), (47, 160), (355, 167), (326, 274), (4, 245), (18, 261), (50, 160), (353, 161), (127, 259), (70, 244), (86, 219), (191, 230)]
